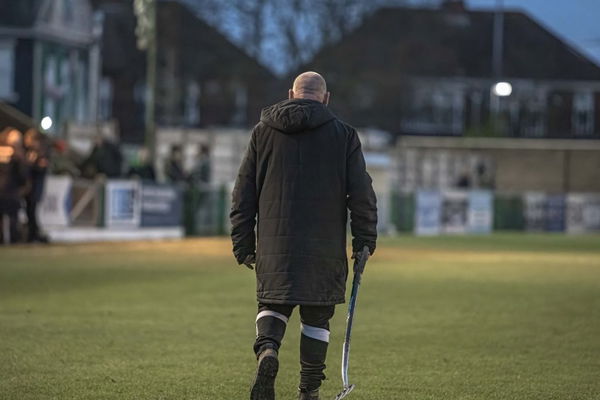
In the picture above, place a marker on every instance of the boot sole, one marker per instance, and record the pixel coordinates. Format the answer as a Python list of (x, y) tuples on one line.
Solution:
[(263, 387)]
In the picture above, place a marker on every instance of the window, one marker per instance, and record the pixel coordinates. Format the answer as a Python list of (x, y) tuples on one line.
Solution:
[(583, 114), (533, 115), (68, 10), (7, 59), (106, 98), (436, 110), (81, 105), (191, 113)]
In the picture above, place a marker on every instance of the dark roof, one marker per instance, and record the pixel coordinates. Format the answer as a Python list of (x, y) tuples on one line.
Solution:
[(10, 116), (19, 13), (206, 51), (438, 42), (119, 50)]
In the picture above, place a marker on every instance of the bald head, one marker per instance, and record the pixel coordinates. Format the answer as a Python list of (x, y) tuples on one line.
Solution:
[(310, 85)]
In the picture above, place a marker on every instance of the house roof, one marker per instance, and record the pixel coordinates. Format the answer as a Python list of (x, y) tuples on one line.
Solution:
[(450, 43), (202, 49), (119, 51), (10, 116), (206, 51), (21, 14)]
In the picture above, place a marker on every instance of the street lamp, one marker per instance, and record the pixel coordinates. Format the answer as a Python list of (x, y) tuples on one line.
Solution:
[(502, 89), (46, 123)]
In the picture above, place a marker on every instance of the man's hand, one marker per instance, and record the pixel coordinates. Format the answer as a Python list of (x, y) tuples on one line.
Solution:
[(249, 260), (360, 256)]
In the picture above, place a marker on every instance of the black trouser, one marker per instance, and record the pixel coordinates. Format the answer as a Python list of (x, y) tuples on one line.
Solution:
[(271, 322), (32, 223), (13, 227), (9, 210)]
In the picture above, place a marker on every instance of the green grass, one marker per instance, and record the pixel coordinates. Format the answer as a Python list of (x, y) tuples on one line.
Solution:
[(498, 317)]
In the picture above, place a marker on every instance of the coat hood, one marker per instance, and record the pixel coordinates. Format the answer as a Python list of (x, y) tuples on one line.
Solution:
[(296, 115)]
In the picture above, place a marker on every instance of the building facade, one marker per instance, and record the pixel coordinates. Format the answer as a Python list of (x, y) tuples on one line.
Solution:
[(49, 60), (431, 71)]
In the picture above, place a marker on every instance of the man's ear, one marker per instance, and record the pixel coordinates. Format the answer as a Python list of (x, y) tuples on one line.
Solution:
[(326, 98), (290, 94)]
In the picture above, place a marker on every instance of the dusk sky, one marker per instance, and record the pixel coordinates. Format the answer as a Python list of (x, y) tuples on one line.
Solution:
[(574, 20)]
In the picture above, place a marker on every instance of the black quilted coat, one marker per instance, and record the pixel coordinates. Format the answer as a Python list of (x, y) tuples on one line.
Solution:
[(303, 170)]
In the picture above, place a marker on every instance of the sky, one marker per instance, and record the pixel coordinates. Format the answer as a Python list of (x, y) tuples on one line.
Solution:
[(575, 21)]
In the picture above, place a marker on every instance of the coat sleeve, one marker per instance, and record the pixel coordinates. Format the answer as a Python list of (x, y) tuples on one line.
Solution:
[(244, 206), (361, 199)]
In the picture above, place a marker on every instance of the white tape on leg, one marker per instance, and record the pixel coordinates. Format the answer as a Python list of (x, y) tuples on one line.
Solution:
[(274, 314), (315, 333), (269, 313)]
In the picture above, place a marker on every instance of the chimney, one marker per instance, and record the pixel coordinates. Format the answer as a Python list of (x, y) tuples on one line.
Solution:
[(454, 5)]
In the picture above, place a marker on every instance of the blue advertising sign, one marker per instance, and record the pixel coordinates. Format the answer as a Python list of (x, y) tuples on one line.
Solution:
[(162, 205), (122, 204), (480, 211), (428, 212)]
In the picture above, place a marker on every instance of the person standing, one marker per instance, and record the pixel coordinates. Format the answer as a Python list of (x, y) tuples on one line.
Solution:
[(174, 166), (143, 169), (13, 177), (303, 170), (105, 159), (36, 157), (200, 175)]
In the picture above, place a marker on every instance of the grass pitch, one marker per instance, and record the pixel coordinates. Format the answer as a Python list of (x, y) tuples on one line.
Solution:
[(498, 317)]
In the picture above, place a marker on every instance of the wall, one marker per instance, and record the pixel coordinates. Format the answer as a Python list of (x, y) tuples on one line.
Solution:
[(518, 164), (548, 170)]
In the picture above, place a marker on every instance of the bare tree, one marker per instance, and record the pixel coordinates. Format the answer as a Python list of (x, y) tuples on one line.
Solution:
[(284, 34)]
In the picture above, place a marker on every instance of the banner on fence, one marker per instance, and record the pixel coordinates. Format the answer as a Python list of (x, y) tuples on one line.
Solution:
[(161, 205), (56, 201), (455, 211), (534, 211), (583, 213), (122, 207), (554, 213), (428, 212), (481, 211)]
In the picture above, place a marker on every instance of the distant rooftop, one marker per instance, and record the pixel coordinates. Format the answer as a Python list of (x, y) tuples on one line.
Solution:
[(455, 41)]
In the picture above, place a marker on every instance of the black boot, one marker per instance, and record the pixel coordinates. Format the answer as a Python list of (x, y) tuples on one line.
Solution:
[(263, 387), (308, 395)]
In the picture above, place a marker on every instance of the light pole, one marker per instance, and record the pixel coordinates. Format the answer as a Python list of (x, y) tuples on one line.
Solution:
[(145, 11), (499, 88), (498, 45)]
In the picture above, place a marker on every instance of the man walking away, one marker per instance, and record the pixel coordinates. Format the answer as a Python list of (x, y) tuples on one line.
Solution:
[(303, 170)]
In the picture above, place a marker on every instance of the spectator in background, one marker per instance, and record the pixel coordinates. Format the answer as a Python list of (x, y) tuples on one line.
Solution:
[(174, 165), (64, 161), (37, 160), (485, 176), (105, 159), (201, 173), (464, 181), (142, 168), (13, 177)]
